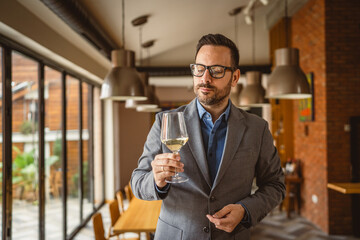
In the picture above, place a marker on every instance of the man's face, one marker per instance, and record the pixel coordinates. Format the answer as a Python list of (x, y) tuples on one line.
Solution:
[(209, 90)]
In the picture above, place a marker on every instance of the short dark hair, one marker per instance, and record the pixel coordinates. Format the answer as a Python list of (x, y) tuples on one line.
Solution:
[(220, 40)]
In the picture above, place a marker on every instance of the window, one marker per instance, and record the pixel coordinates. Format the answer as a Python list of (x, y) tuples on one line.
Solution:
[(53, 151), (98, 160), (73, 151), (36, 140), (25, 147), (87, 161)]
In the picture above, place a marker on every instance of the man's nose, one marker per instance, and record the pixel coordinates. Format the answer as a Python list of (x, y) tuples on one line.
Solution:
[(206, 77)]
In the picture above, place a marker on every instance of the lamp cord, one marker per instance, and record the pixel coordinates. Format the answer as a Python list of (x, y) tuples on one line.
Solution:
[(286, 25), (253, 38), (140, 47), (236, 34), (123, 23)]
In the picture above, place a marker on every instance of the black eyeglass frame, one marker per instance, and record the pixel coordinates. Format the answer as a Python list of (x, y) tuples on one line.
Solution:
[(232, 69)]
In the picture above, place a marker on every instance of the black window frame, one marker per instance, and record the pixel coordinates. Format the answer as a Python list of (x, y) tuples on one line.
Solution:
[(7, 46)]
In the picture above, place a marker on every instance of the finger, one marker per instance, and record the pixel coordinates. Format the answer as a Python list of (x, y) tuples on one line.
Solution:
[(170, 169), (168, 156), (223, 212), (168, 163), (222, 224), (215, 221)]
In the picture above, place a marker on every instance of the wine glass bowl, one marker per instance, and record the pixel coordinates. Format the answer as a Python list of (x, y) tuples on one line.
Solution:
[(174, 136)]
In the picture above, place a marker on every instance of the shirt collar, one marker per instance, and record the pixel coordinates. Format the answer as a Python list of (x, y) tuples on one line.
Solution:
[(202, 111)]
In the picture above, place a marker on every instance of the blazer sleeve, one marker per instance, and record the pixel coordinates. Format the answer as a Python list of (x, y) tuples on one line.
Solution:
[(269, 179), (142, 179)]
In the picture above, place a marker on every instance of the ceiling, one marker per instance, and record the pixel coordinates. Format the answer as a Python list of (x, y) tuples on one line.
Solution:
[(177, 25)]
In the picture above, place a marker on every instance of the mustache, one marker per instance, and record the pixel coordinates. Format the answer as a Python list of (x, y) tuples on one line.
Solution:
[(205, 85)]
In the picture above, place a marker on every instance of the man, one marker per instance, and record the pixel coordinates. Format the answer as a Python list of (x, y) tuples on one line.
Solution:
[(227, 149)]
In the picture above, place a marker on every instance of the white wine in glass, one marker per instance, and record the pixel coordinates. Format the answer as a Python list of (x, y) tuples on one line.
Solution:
[(174, 136)]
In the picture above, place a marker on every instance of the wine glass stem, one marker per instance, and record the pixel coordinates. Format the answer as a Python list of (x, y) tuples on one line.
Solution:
[(176, 172)]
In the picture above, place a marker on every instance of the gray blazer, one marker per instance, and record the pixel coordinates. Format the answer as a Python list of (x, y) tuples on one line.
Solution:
[(248, 153)]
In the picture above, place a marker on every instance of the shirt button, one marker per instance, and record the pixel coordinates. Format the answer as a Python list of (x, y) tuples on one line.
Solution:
[(206, 229), (212, 198)]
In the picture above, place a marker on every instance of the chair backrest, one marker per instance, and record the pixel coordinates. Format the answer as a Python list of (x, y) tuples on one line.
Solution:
[(120, 199), (114, 211), (128, 192), (98, 227)]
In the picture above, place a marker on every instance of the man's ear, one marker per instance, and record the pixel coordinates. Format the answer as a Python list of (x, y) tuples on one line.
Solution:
[(235, 77)]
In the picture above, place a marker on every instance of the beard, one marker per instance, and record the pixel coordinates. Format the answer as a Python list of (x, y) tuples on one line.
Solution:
[(218, 95)]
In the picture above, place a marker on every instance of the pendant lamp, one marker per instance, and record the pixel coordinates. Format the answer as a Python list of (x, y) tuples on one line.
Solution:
[(287, 81), (152, 101), (234, 94), (145, 109), (253, 94), (123, 81)]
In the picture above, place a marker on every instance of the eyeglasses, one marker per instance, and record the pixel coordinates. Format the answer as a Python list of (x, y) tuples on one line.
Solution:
[(216, 71)]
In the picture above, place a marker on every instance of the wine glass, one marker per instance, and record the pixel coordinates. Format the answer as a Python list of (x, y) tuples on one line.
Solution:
[(174, 136)]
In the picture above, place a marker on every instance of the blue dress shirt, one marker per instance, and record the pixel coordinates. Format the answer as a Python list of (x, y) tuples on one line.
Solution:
[(213, 135)]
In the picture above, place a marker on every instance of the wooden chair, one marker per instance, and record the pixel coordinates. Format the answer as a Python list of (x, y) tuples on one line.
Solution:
[(98, 227), (120, 199), (292, 200), (128, 192), (114, 216)]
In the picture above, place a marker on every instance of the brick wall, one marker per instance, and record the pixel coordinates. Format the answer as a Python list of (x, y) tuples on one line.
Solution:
[(342, 30), (308, 34), (327, 34)]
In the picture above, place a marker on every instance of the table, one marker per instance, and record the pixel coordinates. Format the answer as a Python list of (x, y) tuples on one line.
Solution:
[(346, 188), (354, 189), (141, 216)]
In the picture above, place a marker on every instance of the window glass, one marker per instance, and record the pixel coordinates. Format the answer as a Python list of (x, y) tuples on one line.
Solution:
[(1, 138), (25, 161), (72, 144), (53, 151), (98, 160), (87, 154)]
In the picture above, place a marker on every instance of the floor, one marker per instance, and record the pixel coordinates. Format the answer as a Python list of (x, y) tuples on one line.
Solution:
[(275, 226)]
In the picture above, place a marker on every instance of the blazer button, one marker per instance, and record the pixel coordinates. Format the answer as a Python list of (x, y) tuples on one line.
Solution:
[(212, 198), (206, 229)]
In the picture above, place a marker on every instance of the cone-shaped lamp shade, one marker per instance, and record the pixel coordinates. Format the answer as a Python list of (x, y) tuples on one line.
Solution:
[(287, 81), (253, 94), (152, 101), (131, 103), (146, 109), (123, 81), (234, 94)]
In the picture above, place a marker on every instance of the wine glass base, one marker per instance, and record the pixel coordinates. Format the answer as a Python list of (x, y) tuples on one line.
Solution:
[(177, 179)]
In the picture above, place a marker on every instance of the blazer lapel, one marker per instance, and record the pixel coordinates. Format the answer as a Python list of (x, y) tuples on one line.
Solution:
[(195, 142), (234, 134)]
